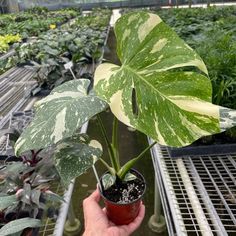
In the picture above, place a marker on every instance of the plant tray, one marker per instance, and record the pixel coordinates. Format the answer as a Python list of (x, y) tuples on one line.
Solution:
[(213, 149), (18, 121)]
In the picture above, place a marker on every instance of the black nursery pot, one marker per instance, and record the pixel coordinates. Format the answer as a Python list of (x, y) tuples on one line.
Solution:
[(124, 213)]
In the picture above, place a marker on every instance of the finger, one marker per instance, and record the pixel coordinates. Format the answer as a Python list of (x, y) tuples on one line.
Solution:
[(91, 201), (95, 196), (138, 220), (92, 210), (130, 228)]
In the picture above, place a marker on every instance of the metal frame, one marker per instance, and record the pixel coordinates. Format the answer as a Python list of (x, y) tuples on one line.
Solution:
[(200, 193), (164, 200), (16, 86)]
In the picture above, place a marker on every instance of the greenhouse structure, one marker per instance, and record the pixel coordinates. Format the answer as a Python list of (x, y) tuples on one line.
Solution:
[(118, 117)]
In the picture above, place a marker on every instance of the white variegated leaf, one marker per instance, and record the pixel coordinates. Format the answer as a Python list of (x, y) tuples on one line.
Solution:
[(161, 88), (18, 225), (6, 201), (59, 115), (73, 158), (108, 180), (129, 177)]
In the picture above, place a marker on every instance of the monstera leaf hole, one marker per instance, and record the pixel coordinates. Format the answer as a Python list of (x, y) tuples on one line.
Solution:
[(134, 103)]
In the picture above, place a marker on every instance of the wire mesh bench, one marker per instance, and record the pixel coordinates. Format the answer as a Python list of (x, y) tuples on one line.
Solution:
[(198, 193)]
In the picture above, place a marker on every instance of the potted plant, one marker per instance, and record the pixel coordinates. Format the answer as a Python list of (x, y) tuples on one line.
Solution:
[(25, 193), (161, 89)]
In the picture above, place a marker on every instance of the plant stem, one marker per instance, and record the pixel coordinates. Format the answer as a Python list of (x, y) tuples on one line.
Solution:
[(115, 145), (110, 169), (125, 168), (109, 146)]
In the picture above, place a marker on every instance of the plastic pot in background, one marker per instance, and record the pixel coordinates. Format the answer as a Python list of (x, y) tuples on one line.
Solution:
[(124, 213)]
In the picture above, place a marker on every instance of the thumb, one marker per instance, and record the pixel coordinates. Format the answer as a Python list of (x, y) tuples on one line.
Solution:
[(92, 210), (94, 197)]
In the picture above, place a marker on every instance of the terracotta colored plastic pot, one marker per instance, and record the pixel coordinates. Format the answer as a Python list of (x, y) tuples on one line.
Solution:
[(123, 213)]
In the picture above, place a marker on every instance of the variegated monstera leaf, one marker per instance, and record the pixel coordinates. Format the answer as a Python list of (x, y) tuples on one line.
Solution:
[(73, 156), (161, 88), (59, 115)]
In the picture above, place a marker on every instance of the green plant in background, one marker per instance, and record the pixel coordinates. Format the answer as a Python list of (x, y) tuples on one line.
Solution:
[(37, 10), (32, 24), (25, 192), (6, 40), (219, 55), (24, 25), (79, 44), (6, 64), (96, 19), (147, 92)]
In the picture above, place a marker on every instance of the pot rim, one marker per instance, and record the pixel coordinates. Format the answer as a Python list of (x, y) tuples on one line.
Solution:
[(120, 204)]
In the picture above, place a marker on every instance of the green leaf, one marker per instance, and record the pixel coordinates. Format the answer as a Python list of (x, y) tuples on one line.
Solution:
[(161, 88), (73, 158), (15, 168), (51, 51), (53, 197), (129, 177), (59, 115), (35, 196), (17, 234), (18, 225), (7, 201), (108, 180)]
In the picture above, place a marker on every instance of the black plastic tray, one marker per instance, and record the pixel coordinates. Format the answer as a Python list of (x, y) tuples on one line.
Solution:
[(213, 149), (18, 121)]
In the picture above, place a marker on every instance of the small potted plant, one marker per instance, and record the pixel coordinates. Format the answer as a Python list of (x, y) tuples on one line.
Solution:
[(161, 89)]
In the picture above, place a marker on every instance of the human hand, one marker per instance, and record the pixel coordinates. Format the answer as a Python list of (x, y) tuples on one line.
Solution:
[(97, 222)]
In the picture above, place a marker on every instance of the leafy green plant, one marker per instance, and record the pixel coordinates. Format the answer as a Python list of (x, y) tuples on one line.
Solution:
[(148, 92), (97, 19), (25, 191), (6, 40), (33, 24), (27, 25), (6, 64), (79, 44), (37, 10), (220, 57)]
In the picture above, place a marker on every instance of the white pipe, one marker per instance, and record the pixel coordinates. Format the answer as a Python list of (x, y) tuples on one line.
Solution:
[(196, 205), (59, 227), (30, 104)]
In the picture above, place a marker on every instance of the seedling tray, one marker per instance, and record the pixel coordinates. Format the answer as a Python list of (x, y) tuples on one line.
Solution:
[(18, 121)]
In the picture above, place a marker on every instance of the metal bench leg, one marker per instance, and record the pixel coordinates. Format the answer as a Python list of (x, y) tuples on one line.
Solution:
[(72, 225), (157, 221)]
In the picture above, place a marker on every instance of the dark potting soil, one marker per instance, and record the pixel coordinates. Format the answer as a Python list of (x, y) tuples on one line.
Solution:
[(125, 192)]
